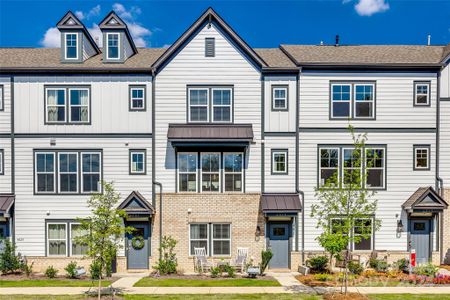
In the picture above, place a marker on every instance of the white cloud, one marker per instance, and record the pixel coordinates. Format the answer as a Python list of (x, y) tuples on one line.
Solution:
[(96, 34), (138, 32), (79, 14), (93, 12), (51, 39), (370, 7)]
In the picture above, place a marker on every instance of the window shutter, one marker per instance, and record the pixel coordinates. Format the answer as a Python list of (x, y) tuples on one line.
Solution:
[(209, 47)]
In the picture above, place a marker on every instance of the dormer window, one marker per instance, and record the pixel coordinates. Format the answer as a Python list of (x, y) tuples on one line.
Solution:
[(113, 46), (71, 46)]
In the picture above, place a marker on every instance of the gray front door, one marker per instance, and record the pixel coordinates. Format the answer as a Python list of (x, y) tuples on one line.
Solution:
[(279, 244), (137, 258), (420, 240)]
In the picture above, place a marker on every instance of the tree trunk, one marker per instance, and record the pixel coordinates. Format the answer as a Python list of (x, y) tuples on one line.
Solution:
[(100, 285)]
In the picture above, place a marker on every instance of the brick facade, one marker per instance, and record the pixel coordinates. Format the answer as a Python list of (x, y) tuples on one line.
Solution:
[(446, 228)]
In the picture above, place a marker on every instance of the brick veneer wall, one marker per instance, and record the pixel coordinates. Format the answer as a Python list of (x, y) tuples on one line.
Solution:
[(446, 228), (242, 211)]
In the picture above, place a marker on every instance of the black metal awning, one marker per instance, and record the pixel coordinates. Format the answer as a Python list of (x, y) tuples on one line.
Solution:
[(6, 202), (280, 203), (218, 133)]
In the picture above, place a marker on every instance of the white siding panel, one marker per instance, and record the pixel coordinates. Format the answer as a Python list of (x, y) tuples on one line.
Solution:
[(5, 179), (402, 181), (394, 100), (279, 183), (109, 104), (280, 121), (5, 114), (444, 155), (445, 82), (88, 49), (190, 67), (127, 50), (32, 210)]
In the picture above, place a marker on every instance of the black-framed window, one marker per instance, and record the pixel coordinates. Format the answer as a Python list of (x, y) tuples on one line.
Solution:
[(422, 157), (361, 226), (210, 104), (187, 171), (422, 92), (340, 169), (2, 97), (279, 97), (68, 170), (352, 100), (210, 47), (138, 161), (71, 42), (210, 169), (137, 101), (279, 161), (214, 237), (113, 45), (2, 162), (67, 104), (233, 165)]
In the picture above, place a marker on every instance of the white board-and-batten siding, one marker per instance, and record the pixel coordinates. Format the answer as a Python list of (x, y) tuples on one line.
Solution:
[(444, 154), (279, 183), (5, 179), (394, 97), (401, 180), (190, 67), (109, 104), (5, 113), (445, 82), (32, 210)]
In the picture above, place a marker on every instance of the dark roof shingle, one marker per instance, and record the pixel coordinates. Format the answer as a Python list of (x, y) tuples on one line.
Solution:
[(275, 58)]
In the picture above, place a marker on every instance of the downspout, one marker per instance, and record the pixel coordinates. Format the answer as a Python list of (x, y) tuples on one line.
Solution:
[(160, 213), (12, 223), (439, 180), (297, 163)]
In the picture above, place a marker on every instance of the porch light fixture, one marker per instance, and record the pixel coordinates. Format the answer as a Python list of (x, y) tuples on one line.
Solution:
[(258, 231), (399, 226)]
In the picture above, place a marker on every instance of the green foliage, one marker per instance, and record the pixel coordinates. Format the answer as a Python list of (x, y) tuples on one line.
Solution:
[(215, 272), (103, 231), (426, 269), (355, 268), (378, 264), (71, 269), (167, 264), (9, 262), (95, 270), (266, 256), (27, 268), (230, 270), (318, 264), (51, 272), (401, 264), (333, 243), (323, 277)]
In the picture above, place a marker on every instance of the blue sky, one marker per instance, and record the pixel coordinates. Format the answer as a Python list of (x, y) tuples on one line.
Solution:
[(260, 23)]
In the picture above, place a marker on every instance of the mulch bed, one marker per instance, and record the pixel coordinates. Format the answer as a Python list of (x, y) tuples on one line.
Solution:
[(36, 276), (208, 277), (348, 296)]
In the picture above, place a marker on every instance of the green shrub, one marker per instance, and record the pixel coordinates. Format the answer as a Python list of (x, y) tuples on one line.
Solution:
[(318, 264), (71, 269), (426, 269), (378, 264), (323, 277), (230, 270), (266, 256), (51, 272), (215, 272), (401, 264), (27, 268), (167, 264), (94, 270), (9, 262), (355, 268)]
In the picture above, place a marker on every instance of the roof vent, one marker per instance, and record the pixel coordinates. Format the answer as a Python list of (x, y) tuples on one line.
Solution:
[(429, 40), (337, 40)]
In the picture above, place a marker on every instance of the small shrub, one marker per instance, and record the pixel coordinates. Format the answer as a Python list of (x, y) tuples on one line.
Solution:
[(215, 272), (27, 268), (370, 273), (231, 272), (323, 277), (168, 262), (51, 272), (318, 264), (266, 256), (426, 270), (9, 262), (71, 269), (401, 264), (94, 270), (378, 264), (355, 268)]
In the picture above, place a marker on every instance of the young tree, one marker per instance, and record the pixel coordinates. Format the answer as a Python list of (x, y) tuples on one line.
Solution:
[(346, 208), (103, 231)]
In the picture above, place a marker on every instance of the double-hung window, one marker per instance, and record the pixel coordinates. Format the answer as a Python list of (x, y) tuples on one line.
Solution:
[(210, 166), (2, 101), (137, 161), (77, 248), (90, 171), (198, 105), (375, 167), (421, 157), (68, 172), (67, 105), (329, 166), (187, 172), (56, 105), (71, 46), (214, 237), (2, 162), (279, 98), (352, 168), (352, 100), (422, 93), (233, 167), (279, 161), (137, 98), (363, 227), (113, 44), (198, 237), (221, 104), (221, 239), (57, 239), (79, 105), (45, 172)]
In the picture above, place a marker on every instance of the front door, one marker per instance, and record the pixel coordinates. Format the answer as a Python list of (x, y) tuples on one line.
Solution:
[(279, 244), (420, 240), (2, 235), (138, 252)]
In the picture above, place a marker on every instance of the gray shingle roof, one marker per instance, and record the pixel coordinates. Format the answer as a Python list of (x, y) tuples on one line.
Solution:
[(418, 200), (365, 55), (275, 58)]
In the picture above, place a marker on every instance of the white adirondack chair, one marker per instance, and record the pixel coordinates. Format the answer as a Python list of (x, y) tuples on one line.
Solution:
[(201, 261), (241, 259)]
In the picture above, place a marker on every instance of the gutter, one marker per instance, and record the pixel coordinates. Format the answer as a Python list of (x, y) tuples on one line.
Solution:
[(297, 163), (439, 181)]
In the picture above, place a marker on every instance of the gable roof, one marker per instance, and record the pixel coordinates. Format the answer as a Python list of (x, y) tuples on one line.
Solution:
[(275, 58), (363, 55), (446, 53), (208, 16), (70, 21), (136, 204), (425, 198), (113, 21)]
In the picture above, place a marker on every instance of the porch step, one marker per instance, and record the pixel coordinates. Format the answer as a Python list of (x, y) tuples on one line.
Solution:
[(281, 270), (147, 271)]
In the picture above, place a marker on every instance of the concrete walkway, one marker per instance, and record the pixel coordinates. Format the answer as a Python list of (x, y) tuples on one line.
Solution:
[(128, 280), (288, 281)]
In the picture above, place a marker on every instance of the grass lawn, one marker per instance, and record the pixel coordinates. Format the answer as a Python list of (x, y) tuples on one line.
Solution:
[(171, 297), (171, 282), (51, 283), (409, 297)]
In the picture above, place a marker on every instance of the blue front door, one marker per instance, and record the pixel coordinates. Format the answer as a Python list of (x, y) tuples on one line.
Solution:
[(420, 240), (279, 244), (137, 257)]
